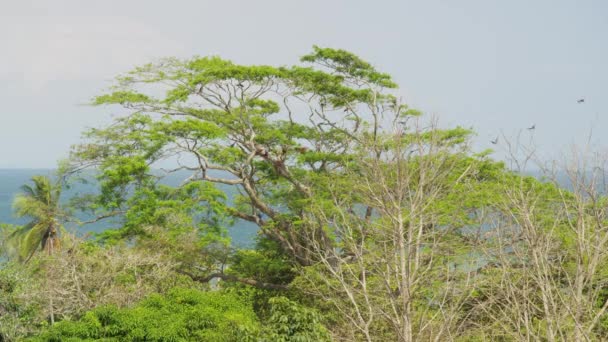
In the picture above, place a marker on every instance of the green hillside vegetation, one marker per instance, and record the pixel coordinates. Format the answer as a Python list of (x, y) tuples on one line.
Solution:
[(375, 224)]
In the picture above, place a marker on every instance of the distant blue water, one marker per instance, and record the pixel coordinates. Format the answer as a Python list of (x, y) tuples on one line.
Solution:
[(242, 233)]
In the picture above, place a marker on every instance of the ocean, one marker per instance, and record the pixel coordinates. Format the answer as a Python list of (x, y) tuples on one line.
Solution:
[(242, 233)]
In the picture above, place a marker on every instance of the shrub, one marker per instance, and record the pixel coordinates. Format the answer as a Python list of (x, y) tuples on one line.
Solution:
[(181, 315)]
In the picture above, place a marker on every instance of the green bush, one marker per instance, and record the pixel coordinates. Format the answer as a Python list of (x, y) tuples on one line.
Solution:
[(292, 322), (182, 315)]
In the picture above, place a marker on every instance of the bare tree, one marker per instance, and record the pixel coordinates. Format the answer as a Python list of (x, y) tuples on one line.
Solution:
[(396, 272), (548, 252)]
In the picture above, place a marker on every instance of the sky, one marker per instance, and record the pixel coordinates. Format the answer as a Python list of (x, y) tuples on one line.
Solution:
[(495, 66)]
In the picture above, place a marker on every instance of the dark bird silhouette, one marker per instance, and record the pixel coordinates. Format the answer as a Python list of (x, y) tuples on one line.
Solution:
[(495, 141), (259, 215), (580, 101), (532, 127)]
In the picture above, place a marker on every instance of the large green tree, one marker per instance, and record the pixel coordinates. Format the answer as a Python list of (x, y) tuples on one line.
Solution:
[(270, 134)]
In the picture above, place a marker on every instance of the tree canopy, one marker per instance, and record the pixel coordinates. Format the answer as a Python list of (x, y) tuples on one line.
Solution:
[(275, 134)]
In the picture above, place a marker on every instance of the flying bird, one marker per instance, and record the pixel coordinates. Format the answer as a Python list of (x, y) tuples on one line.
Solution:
[(580, 101), (240, 85), (495, 141), (532, 127)]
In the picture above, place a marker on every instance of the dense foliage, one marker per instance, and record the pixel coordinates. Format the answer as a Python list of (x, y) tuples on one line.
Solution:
[(181, 315), (192, 315), (373, 224)]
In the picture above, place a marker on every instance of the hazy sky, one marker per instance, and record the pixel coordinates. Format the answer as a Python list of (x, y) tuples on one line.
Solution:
[(493, 65)]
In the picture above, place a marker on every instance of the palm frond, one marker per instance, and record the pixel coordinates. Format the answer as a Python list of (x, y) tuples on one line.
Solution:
[(43, 189), (28, 190), (18, 244), (24, 205)]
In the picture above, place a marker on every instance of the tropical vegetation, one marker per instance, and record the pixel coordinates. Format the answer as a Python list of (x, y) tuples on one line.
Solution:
[(374, 222)]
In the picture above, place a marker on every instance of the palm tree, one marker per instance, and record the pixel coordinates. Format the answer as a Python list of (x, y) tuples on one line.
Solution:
[(40, 203)]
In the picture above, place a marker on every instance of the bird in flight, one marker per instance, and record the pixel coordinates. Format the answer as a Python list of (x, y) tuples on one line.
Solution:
[(532, 127), (495, 141), (580, 101)]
